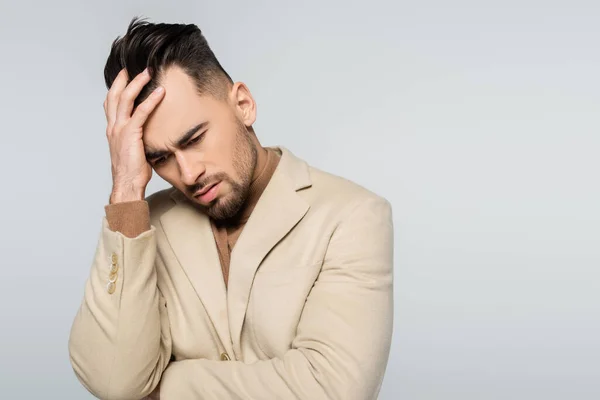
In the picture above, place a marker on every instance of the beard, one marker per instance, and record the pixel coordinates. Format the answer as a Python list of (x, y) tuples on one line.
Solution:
[(244, 162)]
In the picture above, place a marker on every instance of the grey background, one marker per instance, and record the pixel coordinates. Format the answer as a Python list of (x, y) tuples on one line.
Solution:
[(478, 120)]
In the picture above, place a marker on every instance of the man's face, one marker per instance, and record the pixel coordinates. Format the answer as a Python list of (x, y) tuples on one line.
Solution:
[(201, 144)]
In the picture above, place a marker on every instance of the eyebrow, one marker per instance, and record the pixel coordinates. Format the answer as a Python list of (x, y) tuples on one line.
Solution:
[(152, 153)]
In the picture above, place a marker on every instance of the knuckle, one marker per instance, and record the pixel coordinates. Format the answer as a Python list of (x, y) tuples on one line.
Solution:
[(143, 110), (112, 98), (112, 93), (144, 107), (125, 95)]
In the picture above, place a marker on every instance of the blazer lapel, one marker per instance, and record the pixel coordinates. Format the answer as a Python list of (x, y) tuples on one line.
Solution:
[(278, 210), (190, 235)]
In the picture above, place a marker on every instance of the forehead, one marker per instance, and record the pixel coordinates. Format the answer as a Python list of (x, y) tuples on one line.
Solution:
[(181, 108)]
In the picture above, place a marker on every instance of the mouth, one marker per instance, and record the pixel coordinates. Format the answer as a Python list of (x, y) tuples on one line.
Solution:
[(207, 193), (204, 189)]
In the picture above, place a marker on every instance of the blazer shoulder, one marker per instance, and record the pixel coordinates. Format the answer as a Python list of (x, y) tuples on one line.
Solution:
[(340, 193)]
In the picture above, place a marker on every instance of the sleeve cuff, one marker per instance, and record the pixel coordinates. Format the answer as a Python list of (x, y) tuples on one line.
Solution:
[(130, 218)]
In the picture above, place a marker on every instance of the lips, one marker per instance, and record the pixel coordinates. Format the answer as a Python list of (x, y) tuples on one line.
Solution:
[(204, 190)]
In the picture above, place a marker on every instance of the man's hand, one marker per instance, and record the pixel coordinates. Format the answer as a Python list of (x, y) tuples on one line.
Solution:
[(130, 170)]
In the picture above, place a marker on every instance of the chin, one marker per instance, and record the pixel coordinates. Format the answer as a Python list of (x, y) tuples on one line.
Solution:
[(223, 208)]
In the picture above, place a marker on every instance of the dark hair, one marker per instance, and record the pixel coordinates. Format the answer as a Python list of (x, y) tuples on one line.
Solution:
[(159, 46)]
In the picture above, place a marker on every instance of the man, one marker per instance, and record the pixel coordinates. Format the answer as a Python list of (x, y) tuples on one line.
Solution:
[(255, 276)]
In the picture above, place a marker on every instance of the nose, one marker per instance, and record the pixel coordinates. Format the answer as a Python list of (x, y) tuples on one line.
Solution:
[(191, 170)]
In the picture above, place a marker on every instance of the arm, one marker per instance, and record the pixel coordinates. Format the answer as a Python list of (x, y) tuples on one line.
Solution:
[(120, 341), (344, 334)]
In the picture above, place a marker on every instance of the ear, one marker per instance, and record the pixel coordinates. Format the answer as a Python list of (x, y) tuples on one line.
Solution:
[(244, 103)]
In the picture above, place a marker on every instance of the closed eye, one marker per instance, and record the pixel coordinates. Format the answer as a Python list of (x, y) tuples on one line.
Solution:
[(195, 140), (159, 161), (159, 157)]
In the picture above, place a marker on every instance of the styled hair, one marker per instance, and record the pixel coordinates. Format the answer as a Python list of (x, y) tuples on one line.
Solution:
[(160, 46)]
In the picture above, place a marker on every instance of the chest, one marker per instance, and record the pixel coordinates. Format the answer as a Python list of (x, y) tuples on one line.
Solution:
[(279, 288)]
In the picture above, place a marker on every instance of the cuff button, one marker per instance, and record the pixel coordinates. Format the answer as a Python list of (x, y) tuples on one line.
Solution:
[(114, 268)]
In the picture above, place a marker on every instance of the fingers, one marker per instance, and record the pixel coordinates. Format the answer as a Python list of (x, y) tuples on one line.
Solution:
[(129, 94), (112, 98), (142, 111)]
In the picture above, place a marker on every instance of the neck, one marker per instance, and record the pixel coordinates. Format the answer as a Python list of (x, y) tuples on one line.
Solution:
[(266, 162), (261, 154), (261, 161)]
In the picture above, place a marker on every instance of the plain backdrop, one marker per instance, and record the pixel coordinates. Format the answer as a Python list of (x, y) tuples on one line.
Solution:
[(477, 120)]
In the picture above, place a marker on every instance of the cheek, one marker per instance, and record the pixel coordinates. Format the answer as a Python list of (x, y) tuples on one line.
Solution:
[(170, 174), (219, 151)]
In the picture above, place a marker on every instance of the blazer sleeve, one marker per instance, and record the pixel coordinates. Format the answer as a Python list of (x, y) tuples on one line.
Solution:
[(120, 340), (344, 334)]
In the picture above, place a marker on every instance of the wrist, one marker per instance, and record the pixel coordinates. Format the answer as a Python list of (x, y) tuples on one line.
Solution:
[(121, 194)]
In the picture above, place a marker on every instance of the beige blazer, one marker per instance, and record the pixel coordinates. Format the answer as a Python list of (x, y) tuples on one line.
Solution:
[(307, 314)]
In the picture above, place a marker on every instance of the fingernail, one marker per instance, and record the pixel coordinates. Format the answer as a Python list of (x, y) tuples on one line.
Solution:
[(159, 90)]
